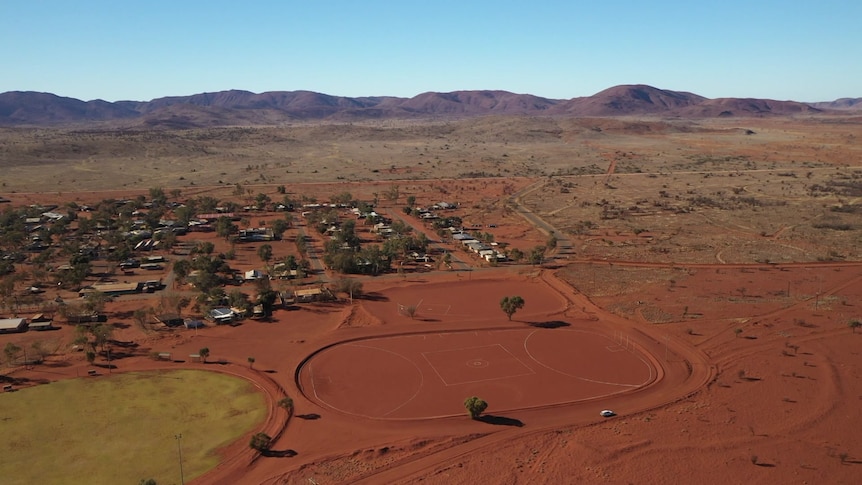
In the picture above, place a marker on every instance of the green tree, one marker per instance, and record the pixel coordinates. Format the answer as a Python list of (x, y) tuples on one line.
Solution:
[(475, 406), (286, 403), (204, 353), (279, 226), (264, 252), (537, 255), (181, 269), (157, 196), (94, 302), (224, 227), (206, 248), (238, 299), (266, 297), (261, 201), (260, 442), (854, 324), (251, 362), (148, 481), (516, 255), (511, 304)]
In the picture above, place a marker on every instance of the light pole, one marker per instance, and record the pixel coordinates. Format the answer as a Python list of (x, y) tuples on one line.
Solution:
[(179, 437)]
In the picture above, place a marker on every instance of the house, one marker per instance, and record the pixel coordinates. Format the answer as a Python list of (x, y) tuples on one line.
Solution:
[(254, 274), (221, 315), (476, 246), (13, 325), (311, 294), (256, 235), (171, 319)]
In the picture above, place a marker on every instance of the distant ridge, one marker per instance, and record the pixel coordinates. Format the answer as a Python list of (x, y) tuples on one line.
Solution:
[(236, 107)]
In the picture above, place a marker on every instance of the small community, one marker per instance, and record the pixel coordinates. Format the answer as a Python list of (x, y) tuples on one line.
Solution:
[(164, 261)]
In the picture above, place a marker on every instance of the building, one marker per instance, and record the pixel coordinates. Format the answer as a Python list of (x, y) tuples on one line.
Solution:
[(171, 320), (112, 289), (221, 316), (41, 325), (13, 325)]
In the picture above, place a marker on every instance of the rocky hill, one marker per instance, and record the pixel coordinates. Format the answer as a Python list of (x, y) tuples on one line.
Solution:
[(228, 108)]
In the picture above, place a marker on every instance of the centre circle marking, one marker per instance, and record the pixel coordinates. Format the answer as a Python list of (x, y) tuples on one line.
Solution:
[(477, 363)]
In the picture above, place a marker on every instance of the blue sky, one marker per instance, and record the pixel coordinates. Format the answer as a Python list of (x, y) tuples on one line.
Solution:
[(145, 49)]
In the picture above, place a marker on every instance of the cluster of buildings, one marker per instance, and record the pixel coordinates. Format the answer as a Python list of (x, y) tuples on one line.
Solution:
[(486, 251), (20, 325)]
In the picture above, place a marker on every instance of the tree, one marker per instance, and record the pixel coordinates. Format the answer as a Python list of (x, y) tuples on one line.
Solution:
[(260, 442), (286, 403), (39, 350), (537, 255), (854, 324), (392, 193), (102, 335), (737, 331), (181, 269), (264, 252), (251, 362), (204, 353), (11, 350), (141, 318), (94, 302), (352, 287), (475, 406), (157, 195), (148, 481), (511, 304), (279, 226), (447, 260), (266, 297), (551, 243), (224, 227)]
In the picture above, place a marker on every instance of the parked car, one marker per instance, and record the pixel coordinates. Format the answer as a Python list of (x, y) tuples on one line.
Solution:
[(607, 413)]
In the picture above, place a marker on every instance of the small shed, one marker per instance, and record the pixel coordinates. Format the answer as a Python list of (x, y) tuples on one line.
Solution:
[(41, 325), (171, 319), (254, 274)]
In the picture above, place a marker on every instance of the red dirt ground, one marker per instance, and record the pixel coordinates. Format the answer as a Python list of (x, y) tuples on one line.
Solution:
[(776, 403)]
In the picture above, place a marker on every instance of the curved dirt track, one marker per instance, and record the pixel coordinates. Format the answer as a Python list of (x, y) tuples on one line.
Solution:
[(684, 371)]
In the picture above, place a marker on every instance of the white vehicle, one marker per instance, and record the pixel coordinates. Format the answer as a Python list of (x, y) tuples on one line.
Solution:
[(607, 413)]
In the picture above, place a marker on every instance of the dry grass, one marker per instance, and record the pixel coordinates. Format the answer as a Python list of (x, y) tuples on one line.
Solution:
[(121, 428)]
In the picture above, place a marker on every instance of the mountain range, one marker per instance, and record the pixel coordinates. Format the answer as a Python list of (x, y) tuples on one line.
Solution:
[(235, 107)]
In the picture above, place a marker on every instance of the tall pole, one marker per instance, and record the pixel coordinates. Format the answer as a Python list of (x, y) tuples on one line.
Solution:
[(178, 437)]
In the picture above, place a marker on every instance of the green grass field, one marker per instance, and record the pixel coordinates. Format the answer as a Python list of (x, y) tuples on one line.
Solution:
[(119, 429)]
